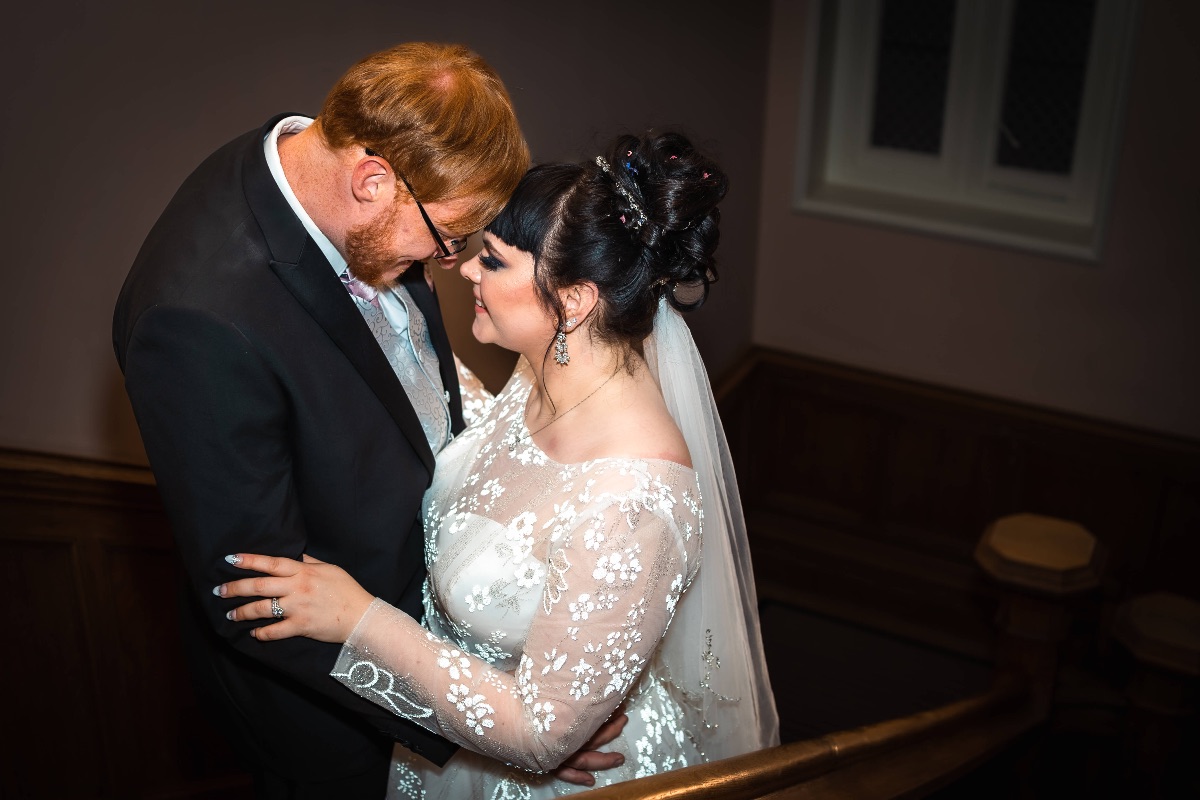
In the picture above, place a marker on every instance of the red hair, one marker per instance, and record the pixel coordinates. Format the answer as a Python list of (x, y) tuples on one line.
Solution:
[(441, 117)]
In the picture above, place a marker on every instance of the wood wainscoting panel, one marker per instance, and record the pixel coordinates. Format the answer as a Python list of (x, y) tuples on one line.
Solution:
[(866, 494), (1176, 543), (144, 659), (55, 746), (810, 452), (943, 482), (104, 704), (1117, 496)]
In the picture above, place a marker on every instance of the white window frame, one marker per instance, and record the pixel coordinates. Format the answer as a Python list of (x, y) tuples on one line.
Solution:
[(959, 192)]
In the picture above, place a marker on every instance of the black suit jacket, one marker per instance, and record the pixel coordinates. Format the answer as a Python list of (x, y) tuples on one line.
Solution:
[(274, 424)]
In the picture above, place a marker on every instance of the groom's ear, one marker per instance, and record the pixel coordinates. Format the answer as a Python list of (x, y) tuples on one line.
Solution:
[(371, 179), (579, 300)]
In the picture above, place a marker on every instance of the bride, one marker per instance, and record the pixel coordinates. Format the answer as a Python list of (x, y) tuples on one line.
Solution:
[(584, 537)]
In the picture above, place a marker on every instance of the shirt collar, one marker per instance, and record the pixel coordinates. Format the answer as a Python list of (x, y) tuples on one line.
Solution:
[(271, 149)]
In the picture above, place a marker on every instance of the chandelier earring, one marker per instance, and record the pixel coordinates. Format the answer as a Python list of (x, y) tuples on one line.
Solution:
[(561, 356)]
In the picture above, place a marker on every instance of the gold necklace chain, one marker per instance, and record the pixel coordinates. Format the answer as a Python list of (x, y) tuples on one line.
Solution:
[(512, 445)]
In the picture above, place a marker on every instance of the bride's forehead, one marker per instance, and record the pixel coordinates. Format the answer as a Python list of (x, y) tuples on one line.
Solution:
[(494, 243)]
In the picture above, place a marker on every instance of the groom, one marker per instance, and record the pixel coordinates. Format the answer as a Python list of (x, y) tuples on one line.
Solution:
[(292, 381)]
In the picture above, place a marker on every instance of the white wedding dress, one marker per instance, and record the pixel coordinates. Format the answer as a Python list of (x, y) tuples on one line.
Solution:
[(550, 601)]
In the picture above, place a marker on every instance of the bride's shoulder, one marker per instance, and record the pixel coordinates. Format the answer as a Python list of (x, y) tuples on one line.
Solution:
[(645, 430), (651, 433)]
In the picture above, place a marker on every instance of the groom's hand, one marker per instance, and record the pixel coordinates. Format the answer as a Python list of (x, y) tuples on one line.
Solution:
[(578, 768)]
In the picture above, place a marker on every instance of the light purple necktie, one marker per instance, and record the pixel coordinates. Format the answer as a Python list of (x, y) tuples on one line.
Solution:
[(360, 289)]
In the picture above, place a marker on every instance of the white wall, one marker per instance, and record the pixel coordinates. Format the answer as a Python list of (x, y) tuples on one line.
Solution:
[(1117, 340), (108, 106)]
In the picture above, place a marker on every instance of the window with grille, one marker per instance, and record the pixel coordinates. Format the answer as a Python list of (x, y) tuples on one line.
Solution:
[(995, 120)]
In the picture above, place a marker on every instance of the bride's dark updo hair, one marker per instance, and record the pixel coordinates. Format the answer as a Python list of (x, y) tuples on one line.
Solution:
[(639, 222)]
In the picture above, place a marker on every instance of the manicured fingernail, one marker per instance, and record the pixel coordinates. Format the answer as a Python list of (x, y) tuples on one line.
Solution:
[(234, 559), (229, 615), (219, 590)]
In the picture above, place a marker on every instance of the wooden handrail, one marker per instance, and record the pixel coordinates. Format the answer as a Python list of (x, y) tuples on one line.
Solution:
[(884, 760), (1039, 562)]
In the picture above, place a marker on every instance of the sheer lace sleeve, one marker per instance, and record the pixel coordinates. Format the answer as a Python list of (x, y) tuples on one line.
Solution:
[(614, 574)]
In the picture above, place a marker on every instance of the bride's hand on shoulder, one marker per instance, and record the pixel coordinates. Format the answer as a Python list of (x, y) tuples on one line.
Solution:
[(309, 598)]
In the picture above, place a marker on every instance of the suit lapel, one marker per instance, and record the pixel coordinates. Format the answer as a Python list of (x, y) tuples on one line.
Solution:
[(319, 291), (308, 276)]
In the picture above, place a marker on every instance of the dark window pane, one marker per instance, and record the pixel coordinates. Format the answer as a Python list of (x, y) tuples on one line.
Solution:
[(913, 72), (1043, 89)]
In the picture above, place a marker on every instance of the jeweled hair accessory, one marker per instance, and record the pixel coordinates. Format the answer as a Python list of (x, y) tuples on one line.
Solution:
[(639, 215)]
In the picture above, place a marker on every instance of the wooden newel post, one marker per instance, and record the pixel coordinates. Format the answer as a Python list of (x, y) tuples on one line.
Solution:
[(1162, 631), (1042, 563)]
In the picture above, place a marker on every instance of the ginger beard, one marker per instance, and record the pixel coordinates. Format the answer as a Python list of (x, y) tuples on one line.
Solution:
[(369, 248)]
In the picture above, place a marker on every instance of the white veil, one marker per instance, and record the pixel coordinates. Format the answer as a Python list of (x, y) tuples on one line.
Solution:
[(712, 653)]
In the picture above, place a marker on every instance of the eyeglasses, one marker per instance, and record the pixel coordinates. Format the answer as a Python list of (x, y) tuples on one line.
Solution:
[(447, 249)]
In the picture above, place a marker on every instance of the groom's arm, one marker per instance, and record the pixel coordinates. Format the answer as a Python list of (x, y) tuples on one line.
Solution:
[(214, 423)]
